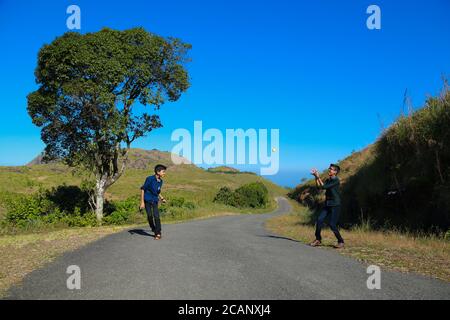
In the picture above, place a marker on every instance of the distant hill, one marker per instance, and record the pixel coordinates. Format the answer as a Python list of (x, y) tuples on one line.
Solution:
[(138, 158), (225, 169)]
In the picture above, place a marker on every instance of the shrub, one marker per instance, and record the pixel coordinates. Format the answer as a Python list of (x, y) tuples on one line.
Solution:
[(79, 219), (176, 202), (24, 208), (121, 212), (180, 202), (224, 195), (253, 195), (176, 208), (64, 204)]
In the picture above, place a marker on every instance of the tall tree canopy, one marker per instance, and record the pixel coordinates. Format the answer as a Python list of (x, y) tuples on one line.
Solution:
[(88, 88)]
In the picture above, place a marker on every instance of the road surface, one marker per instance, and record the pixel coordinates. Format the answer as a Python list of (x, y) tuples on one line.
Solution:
[(231, 257)]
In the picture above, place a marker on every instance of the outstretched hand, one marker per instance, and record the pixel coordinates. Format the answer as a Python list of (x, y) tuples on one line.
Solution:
[(314, 172)]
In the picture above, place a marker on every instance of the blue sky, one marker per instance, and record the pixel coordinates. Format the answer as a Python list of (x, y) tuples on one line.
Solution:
[(309, 68)]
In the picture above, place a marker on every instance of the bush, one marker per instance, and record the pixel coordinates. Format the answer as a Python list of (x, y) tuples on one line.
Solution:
[(68, 205), (25, 208), (180, 202), (121, 212), (176, 202), (224, 195), (65, 204), (79, 219), (176, 208), (252, 195)]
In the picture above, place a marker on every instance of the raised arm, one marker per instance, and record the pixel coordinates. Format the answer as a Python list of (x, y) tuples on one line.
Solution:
[(319, 182)]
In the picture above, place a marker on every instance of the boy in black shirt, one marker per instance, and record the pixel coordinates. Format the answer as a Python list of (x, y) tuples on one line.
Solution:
[(332, 204), (150, 196)]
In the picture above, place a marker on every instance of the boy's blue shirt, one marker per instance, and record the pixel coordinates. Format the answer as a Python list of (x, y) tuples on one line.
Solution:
[(152, 188)]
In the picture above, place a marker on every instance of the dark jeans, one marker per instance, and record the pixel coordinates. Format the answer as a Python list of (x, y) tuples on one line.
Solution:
[(153, 216), (333, 212)]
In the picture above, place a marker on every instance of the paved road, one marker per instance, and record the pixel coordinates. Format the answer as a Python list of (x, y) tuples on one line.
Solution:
[(230, 257)]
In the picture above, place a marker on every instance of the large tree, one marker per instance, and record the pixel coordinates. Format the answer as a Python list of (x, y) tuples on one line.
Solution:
[(97, 93)]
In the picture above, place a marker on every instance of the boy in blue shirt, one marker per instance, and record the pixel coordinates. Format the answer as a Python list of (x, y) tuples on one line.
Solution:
[(150, 196)]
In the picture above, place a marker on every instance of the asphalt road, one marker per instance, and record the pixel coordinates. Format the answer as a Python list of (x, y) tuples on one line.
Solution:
[(232, 257)]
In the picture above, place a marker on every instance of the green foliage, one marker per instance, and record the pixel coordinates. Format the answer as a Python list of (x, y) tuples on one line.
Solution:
[(224, 195), (78, 219), (122, 212), (252, 195), (25, 208), (447, 235), (255, 195), (63, 205), (176, 208), (88, 87), (408, 181), (89, 82)]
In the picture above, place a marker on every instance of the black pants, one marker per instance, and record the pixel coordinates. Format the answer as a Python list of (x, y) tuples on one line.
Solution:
[(153, 216), (333, 212)]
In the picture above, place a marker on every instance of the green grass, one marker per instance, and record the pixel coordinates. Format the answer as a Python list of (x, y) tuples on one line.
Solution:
[(188, 181)]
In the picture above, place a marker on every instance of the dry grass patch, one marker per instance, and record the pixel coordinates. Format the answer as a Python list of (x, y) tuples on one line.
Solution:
[(426, 255)]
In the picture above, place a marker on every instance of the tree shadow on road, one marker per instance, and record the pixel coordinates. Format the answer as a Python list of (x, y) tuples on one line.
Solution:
[(140, 232)]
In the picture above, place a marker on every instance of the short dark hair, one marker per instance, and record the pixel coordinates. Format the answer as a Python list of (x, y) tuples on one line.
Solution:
[(336, 167), (160, 167)]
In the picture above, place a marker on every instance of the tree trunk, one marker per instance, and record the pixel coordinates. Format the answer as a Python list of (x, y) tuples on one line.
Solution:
[(99, 198)]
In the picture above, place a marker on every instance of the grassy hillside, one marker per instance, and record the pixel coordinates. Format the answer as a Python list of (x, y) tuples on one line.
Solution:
[(186, 181), (402, 181)]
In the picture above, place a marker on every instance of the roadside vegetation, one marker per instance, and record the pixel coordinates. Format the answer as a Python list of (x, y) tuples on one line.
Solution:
[(53, 196), (421, 253), (396, 196), (402, 181), (252, 195)]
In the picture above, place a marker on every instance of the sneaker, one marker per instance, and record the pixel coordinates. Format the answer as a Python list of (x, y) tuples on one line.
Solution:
[(158, 237), (340, 245), (315, 243)]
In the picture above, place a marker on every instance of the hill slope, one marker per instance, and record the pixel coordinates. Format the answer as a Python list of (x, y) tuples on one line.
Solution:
[(185, 180), (403, 179)]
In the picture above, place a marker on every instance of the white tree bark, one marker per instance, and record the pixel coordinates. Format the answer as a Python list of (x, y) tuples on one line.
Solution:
[(99, 198)]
